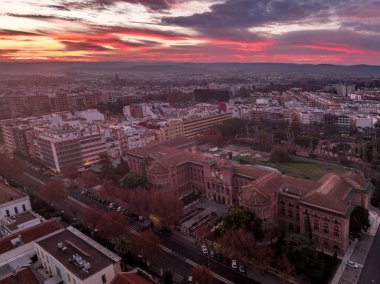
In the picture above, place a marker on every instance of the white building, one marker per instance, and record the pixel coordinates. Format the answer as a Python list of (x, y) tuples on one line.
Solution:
[(12, 202), (72, 257)]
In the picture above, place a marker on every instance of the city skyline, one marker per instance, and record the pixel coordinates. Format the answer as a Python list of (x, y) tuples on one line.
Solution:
[(336, 32)]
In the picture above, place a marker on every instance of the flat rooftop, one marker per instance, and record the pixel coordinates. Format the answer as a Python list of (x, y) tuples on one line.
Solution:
[(21, 219), (7, 193), (75, 245)]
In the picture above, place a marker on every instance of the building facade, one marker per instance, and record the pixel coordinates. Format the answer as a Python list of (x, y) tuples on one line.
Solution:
[(275, 198)]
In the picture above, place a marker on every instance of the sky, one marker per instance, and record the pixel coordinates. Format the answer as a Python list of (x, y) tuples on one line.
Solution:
[(296, 31)]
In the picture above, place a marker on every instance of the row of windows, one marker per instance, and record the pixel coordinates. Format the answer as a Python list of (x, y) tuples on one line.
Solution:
[(7, 212)]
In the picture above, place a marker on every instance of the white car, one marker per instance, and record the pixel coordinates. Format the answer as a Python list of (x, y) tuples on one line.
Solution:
[(352, 264), (234, 264), (204, 249)]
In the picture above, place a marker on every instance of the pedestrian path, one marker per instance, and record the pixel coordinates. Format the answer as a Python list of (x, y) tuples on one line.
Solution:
[(357, 252)]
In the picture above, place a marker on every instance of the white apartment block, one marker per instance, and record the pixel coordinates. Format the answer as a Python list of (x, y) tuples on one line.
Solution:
[(72, 257), (12, 202)]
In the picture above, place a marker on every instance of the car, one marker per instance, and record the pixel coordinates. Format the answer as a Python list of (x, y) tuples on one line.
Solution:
[(111, 205), (218, 257), (165, 231), (118, 209), (352, 264), (204, 249), (242, 269), (234, 264), (212, 254)]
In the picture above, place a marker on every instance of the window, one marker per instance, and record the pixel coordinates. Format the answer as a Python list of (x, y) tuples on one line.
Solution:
[(23, 207), (7, 213), (58, 271), (290, 212), (326, 227), (325, 242), (316, 225), (104, 278), (336, 231), (16, 210), (68, 277)]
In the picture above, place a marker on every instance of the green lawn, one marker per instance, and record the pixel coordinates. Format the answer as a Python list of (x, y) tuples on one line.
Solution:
[(305, 168)]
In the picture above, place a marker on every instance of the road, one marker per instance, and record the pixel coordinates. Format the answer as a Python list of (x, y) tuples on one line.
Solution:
[(371, 273), (194, 254), (177, 255)]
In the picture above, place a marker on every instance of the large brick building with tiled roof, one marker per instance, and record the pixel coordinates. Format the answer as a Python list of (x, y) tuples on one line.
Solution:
[(274, 197)]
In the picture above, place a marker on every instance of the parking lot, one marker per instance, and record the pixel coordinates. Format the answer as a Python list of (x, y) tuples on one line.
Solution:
[(200, 214)]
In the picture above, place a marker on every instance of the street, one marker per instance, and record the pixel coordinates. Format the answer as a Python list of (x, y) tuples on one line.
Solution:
[(177, 255), (371, 272)]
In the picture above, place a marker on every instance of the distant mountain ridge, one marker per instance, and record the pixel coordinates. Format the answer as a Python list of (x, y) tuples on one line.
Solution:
[(61, 68)]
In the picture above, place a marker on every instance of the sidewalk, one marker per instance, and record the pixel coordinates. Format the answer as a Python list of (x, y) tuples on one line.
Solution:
[(357, 252)]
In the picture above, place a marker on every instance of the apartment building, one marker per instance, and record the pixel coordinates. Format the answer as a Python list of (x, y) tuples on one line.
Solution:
[(193, 126), (12, 202), (72, 257), (66, 146)]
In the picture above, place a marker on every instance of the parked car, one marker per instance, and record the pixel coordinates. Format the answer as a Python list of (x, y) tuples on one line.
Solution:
[(352, 264), (234, 264), (212, 254), (218, 257), (242, 269), (165, 231), (204, 249)]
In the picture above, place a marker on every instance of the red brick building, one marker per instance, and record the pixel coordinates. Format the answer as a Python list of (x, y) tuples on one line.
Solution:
[(276, 198)]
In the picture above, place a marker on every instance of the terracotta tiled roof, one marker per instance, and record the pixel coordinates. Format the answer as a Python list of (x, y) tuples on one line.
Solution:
[(30, 234), (332, 192), (251, 171)]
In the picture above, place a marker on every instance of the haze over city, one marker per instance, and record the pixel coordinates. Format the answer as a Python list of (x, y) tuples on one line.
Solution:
[(189, 142), (321, 31)]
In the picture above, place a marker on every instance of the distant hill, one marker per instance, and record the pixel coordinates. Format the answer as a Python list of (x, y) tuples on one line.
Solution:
[(61, 68)]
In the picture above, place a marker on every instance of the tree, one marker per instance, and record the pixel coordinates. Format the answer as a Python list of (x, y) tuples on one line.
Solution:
[(122, 245), (238, 244), (279, 154), (88, 179), (108, 190), (70, 172), (91, 216), (264, 140), (133, 180), (359, 222), (166, 206), (265, 255), (146, 244), (11, 168), (201, 275), (122, 168), (53, 191), (239, 217), (112, 225), (107, 171)]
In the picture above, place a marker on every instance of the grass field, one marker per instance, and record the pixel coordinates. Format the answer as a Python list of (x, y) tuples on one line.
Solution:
[(305, 168)]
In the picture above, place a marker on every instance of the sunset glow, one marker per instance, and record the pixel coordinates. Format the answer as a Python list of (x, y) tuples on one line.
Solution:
[(199, 30)]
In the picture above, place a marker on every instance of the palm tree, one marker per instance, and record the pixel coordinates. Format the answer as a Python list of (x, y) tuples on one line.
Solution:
[(122, 245)]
